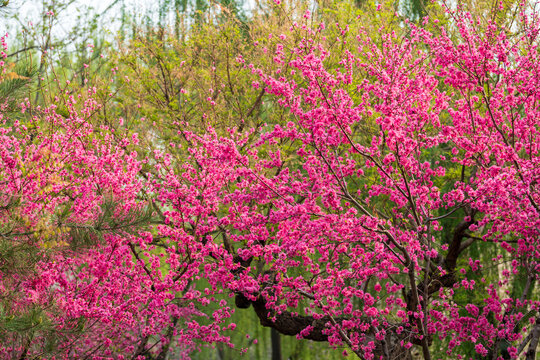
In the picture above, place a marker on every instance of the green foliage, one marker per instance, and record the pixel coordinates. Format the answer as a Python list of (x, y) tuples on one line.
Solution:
[(106, 223), (16, 84)]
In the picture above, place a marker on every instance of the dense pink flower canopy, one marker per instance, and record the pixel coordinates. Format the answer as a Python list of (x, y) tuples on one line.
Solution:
[(350, 222)]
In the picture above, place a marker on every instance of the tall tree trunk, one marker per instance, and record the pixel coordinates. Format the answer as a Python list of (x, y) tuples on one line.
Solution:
[(276, 344), (531, 352)]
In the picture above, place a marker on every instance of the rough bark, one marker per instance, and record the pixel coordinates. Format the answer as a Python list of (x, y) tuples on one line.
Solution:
[(531, 351)]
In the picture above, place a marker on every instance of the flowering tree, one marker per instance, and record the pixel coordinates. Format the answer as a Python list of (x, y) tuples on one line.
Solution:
[(74, 221), (397, 206)]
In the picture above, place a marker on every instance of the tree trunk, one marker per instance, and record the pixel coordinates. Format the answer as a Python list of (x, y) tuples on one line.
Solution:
[(276, 345)]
